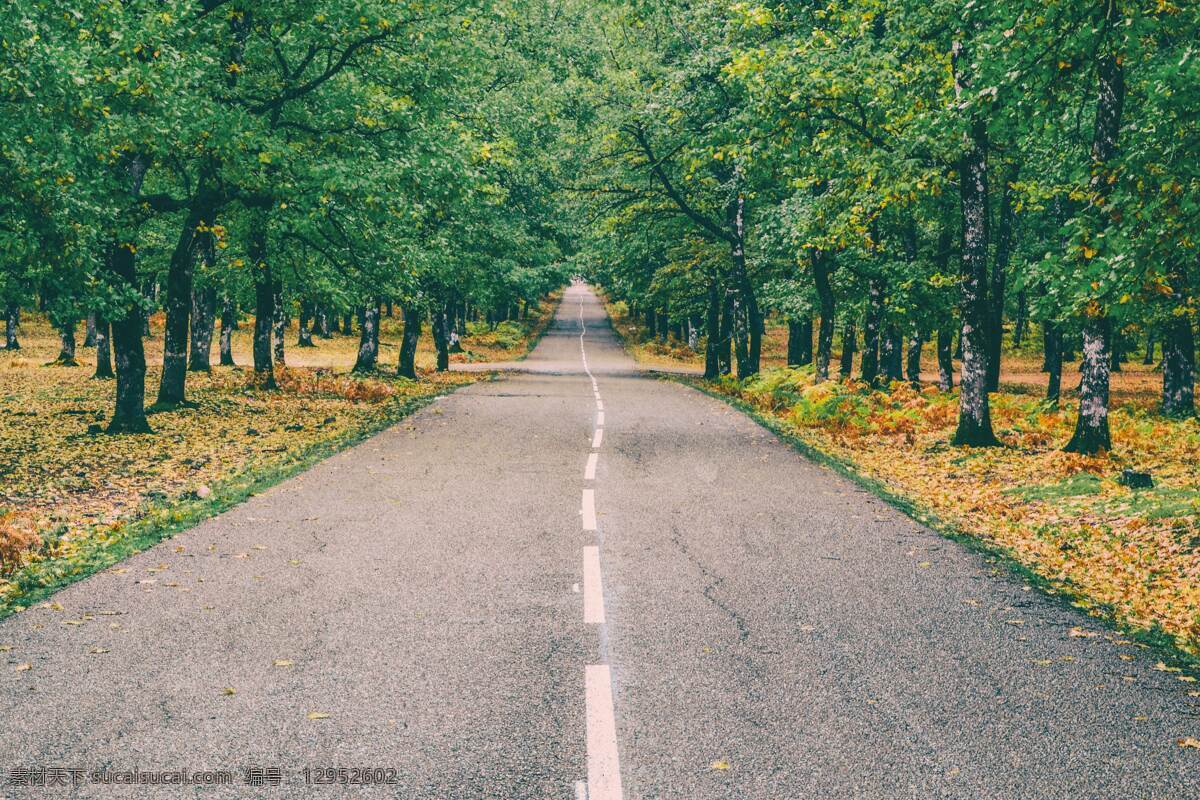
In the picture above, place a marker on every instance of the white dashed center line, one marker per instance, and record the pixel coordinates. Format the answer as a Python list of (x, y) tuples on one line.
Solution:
[(589, 510), (603, 762), (604, 768), (593, 593)]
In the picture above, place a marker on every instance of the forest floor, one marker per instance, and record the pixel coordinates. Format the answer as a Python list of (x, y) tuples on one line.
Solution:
[(73, 500), (1129, 555)]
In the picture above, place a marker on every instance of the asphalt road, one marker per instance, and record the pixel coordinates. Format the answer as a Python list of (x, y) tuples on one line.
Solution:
[(434, 605)]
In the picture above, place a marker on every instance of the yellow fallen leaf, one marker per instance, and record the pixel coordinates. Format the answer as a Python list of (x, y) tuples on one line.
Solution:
[(1161, 667), (317, 715), (4, 648), (23, 667), (1125, 657), (720, 764), (1080, 633), (1189, 741), (1044, 662), (229, 691), (96, 651), (1187, 679), (283, 662)]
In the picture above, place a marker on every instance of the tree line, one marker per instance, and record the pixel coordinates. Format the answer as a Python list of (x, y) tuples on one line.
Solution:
[(312, 159), (905, 172)]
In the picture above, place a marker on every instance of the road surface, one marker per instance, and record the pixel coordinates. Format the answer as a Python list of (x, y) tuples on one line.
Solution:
[(578, 581)]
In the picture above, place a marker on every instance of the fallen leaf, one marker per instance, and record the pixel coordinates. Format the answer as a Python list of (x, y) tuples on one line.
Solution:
[(229, 691), (96, 651), (317, 715), (1161, 667), (1189, 741), (23, 667), (1080, 633), (721, 765), (283, 662)]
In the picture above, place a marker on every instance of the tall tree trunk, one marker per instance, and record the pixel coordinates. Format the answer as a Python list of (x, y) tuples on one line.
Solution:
[(754, 322), (441, 337), (347, 326), (849, 342), (204, 313), (12, 321), (368, 340), (1052, 341), (712, 324), (914, 357), (869, 370), (279, 322), (725, 343), (304, 334), (228, 323), (150, 292), (974, 413), (1091, 427), (264, 302), (322, 323), (407, 367), (180, 273), (1004, 245), (1179, 354), (1148, 359), (894, 349), (129, 413), (104, 368), (945, 358), (664, 325), (1022, 321), (799, 344), (66, 355), (89, 335), (821, 269)]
